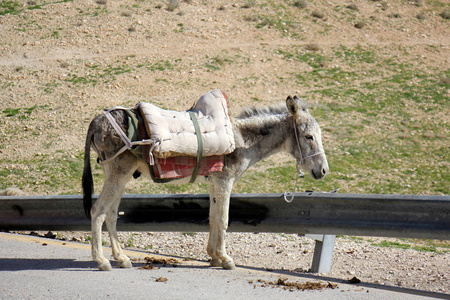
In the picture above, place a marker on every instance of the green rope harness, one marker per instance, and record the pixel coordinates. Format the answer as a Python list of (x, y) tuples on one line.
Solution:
[(199, 144)]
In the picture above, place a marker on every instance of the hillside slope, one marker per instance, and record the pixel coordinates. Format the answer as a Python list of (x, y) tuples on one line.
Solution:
[(376, 74)]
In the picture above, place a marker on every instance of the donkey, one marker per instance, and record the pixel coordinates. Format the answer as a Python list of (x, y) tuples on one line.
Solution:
[(259, 133)]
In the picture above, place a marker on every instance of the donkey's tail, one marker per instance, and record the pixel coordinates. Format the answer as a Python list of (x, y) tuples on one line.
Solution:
[(87, 181)]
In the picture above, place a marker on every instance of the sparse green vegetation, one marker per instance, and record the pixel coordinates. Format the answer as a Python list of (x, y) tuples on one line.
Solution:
[(22, 113), (130, 242), (218, 62), (98, 74), (189, 233), (159, 65), (423, 245), (10, 7), (393, 245), (381, 106), (51, 171), (381, 99), (14, 7)]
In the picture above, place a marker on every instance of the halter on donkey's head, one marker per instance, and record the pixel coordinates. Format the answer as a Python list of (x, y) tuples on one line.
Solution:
[(292, 107), (301, 158)]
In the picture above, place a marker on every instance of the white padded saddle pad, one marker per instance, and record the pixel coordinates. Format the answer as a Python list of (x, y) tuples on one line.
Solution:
[(176, 133)]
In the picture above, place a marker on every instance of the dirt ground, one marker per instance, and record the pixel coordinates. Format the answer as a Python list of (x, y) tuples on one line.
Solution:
[(62, 62), (66, 61)]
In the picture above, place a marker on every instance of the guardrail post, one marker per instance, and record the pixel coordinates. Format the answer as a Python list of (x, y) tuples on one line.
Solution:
[(323, 252)]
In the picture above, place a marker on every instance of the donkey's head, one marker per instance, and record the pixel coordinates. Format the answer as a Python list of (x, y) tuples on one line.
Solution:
[(306, 144)]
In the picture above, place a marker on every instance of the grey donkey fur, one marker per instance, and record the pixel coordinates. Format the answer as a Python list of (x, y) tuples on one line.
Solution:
[(259, 133)]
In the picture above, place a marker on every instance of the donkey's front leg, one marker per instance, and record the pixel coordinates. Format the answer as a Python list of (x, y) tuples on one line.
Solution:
[(215, 260), (220, 191)]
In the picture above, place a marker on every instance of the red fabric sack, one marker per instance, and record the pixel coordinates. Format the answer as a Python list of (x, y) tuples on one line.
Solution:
[(182, 166)]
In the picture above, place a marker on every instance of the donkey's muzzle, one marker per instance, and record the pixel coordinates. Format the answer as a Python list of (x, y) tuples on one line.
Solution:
[(319, 173)]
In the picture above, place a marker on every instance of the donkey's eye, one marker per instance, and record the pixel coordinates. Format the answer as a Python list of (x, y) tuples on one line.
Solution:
[(309, 137)]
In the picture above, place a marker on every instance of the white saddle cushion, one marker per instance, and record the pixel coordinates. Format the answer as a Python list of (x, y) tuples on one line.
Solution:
[(175, 130)]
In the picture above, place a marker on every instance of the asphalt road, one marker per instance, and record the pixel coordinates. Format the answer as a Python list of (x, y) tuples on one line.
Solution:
[(39, 268)]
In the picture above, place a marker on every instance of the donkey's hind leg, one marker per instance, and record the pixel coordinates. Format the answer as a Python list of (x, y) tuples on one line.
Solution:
[(111, 222), (105, 209), (96, 226)]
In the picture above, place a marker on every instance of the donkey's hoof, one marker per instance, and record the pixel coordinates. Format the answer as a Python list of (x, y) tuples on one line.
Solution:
[(105, 267), (229, 265), (216, 263), (126, 264)]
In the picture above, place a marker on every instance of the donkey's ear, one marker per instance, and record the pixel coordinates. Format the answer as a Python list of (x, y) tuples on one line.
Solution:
[(292, 105)]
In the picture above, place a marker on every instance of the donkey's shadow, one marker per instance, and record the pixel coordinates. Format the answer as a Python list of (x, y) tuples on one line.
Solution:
[(26, 264)]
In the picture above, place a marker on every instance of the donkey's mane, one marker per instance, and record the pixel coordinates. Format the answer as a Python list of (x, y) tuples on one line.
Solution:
[(276, 109)]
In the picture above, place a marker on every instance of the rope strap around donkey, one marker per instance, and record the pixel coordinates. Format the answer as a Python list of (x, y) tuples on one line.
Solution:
[(199, 146), (128, 143)]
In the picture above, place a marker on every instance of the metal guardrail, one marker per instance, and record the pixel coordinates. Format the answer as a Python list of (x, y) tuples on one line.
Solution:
[(319, 216), (409, 216)]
